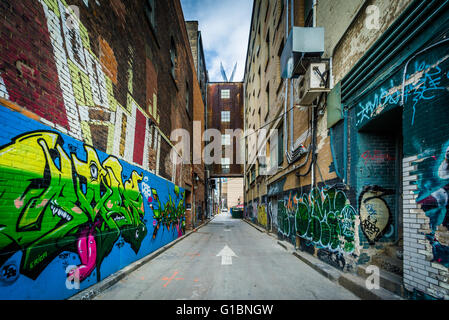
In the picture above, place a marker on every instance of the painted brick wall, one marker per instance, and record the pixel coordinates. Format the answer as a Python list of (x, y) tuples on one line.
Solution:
[(71, 214), (77, 70), (96, 76)]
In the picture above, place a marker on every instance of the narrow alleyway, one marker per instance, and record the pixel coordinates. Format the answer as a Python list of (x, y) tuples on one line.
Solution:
[(230, 260)]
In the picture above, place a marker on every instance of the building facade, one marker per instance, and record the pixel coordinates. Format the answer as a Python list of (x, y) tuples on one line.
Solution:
[(199, 195), (225, 129), (85, 94), (360, 175)]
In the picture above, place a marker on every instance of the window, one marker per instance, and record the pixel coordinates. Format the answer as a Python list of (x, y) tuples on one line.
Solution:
[(225, 94), (273, 154), (173, 58), (150, 12), (226, 140), (225, 116), (280, 146), (267, 91)]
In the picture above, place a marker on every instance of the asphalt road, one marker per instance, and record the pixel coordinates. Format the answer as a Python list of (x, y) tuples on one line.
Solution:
[(226, 260)]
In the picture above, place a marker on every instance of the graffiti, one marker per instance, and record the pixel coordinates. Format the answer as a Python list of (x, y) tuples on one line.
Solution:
[(422, 85), (373, 170), (433, 196), (375, 214), (326, 218), (262, 217), (443, 170), (86, 84), (3, 91), (283, 219), (425, 87), (376, 156), (53, 203), (323, 217), (61, 197), (9, 273), (171, 215), (335, 259), (273, 213)]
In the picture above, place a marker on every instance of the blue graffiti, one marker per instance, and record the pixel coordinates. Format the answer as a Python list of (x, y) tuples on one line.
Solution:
[(433, 196), (424, 89)]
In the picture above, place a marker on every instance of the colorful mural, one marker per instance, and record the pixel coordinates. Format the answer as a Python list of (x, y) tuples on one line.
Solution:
[(61, 199), (324, 217), (433, 195), (262, 217)]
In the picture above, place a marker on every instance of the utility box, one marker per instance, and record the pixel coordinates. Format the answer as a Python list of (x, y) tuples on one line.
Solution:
[(303, 46)]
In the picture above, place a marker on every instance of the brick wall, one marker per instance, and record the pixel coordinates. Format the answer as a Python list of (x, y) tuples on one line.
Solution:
[(95, 81)]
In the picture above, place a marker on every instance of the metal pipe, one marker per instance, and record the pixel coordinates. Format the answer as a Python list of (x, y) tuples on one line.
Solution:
[(291, 85), (286, 85), (313, 148), (345, 146)]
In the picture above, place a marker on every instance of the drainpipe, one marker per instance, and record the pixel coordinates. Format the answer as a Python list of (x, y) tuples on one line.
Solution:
[(291, 82), (345, 146), (313, 149), (287, 81)]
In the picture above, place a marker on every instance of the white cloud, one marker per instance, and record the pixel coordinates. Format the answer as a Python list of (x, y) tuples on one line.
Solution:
[(224, 26)]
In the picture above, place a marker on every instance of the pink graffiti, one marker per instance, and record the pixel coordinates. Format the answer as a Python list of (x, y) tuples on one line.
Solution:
[(87, 251), (377, 156)]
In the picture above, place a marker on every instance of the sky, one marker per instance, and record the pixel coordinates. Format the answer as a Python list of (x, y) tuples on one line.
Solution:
[(224, 26)]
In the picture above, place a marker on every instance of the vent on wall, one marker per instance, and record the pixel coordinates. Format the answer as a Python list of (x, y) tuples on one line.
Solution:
[(303, 46)]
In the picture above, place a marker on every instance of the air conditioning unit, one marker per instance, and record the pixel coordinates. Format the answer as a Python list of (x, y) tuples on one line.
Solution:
[(303, 46), (313, 84)]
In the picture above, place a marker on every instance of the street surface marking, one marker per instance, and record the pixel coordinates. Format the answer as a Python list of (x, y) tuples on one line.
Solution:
[(171, 278), (226, 255)]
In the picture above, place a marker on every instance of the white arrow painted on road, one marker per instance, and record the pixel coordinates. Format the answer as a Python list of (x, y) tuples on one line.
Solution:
[(226, 255)]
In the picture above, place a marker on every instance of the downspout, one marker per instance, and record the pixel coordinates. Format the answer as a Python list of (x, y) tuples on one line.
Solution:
[(286, 84), (245, 137), (313, 148), (313, 107), (345, 146), (291, 84), (198, 57)]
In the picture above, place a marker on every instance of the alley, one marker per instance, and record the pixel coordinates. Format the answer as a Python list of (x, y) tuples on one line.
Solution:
[(226, 260)]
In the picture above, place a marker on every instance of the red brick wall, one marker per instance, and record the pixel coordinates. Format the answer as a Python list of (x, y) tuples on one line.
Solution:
[(104, 81)]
